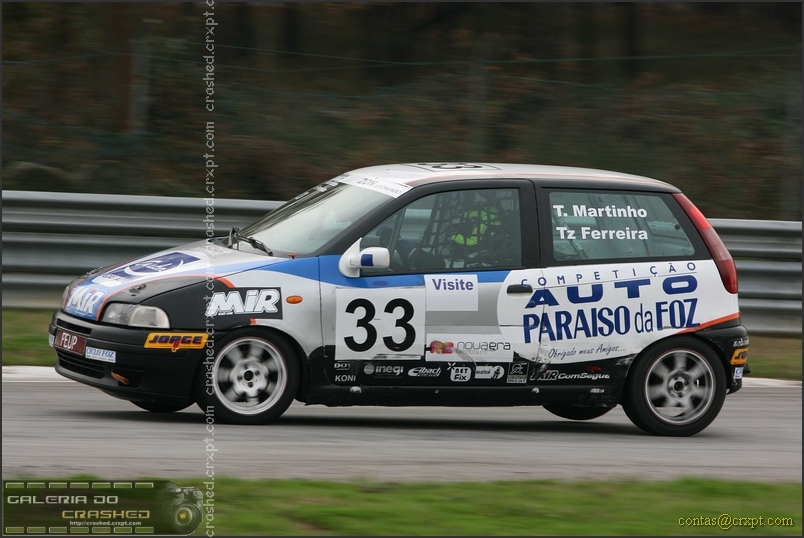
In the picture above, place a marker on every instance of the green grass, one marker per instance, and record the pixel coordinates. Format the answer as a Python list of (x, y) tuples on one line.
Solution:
[(497, 508), (25, 337), (25, 342), (543, 507), (775, 357)]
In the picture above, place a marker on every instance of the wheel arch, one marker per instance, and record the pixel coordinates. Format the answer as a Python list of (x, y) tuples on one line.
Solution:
[(648, 349)]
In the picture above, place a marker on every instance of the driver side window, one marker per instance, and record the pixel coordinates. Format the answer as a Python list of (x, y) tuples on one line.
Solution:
[(457, 230)]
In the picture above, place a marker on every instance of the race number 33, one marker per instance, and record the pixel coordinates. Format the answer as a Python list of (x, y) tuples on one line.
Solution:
[(379, 323)]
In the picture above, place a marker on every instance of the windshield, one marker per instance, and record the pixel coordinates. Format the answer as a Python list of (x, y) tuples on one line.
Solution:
[(312, 219)]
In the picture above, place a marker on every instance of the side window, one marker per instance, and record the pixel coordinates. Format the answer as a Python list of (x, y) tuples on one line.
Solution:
[(468, 229), (598, 225)]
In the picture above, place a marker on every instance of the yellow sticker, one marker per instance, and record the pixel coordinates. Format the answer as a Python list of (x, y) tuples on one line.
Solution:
[(740, 356), (176, 341)]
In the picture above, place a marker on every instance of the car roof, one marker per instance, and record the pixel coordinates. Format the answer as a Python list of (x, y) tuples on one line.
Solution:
[(414, 174)]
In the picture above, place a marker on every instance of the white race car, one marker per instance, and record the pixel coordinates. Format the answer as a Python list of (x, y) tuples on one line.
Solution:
[(454, 284)]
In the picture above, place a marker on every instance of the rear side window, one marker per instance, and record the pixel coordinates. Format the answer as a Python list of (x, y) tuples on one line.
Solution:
[(613, 226)]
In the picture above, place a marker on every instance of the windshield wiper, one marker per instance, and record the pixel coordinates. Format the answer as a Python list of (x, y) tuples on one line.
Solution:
[(234, 235)]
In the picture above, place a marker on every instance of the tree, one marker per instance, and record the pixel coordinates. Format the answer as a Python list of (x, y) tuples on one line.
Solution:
[(117, 34), (585, 31), (630, 38)]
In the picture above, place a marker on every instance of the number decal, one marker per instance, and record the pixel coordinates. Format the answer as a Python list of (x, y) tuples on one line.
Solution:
[(365, 323), (435, 167), (454, 166), (379, 324), (410, 332)]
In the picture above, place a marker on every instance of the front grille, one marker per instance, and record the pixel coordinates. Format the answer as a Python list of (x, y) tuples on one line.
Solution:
[(73, 327), (81, 366)]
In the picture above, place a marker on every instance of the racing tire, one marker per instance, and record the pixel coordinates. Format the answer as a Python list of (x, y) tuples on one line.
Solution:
[(160, 408), (675, 388), (576, 412), (252, 380)]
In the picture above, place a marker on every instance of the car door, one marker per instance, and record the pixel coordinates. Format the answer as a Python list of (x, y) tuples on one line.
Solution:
[(449, 309)]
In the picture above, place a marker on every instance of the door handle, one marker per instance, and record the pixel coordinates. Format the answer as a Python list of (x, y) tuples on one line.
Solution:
[(520, 288)]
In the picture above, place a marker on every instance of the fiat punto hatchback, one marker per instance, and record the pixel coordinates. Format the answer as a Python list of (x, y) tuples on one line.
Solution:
[(453, 284)]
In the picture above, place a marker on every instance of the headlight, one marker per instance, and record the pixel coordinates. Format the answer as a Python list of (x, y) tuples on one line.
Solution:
[(136, 316)]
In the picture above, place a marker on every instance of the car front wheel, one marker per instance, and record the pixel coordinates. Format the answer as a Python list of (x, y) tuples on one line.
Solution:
[(676, 388), (252, 380)]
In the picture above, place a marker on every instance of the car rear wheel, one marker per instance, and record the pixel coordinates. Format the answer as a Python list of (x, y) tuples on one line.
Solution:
[(676, 388), (160, 408), (252, 380), (576, 412)]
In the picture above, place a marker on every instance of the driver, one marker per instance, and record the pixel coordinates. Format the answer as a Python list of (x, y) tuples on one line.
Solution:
[(478, 229)]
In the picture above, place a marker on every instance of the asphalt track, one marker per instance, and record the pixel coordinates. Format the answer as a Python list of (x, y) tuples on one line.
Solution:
[(53, 427)]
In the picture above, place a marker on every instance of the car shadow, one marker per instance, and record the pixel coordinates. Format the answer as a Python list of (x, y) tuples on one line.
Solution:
[(326, 422)]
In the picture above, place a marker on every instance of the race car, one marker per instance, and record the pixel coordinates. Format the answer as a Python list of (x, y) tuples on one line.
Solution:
[(444, 284)]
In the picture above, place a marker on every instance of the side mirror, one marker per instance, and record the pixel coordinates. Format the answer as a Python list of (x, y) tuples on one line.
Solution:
[(355, 259)]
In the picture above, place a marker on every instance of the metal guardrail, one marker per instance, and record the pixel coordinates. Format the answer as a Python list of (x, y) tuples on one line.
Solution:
[(50, 238)]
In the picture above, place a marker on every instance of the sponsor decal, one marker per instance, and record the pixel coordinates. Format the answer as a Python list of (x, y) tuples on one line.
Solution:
[(84, 301), (105, 355), (437, 348), (517, 372), (489, 372), (451, 292), (345, 378), (424, 371), (385, 371), (470, 347), (742, 342), (266, 302), (171, 261), (343, 365), (555, 375), (70, 342), (460, 374), (738, 373), (601, 321), (740, 356), (375, 184), (382, 370), (176, 341)]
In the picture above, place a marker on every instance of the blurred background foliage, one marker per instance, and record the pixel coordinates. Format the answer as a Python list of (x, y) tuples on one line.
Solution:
[(109, 97)]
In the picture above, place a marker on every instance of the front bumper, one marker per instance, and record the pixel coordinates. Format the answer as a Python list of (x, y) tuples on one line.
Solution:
[(152, 375)]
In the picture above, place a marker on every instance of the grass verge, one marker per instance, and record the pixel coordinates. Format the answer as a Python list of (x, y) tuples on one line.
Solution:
[(544, 507), (499, 508), (25, 342)]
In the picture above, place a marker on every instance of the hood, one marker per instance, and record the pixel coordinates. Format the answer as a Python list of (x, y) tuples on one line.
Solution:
[(141, 278)]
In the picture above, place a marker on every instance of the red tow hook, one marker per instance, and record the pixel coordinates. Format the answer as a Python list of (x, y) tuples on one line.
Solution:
[(120, 378)]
